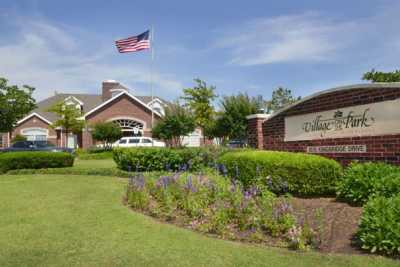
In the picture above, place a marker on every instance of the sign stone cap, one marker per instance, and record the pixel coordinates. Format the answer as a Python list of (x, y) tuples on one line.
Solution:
[(258, 116)]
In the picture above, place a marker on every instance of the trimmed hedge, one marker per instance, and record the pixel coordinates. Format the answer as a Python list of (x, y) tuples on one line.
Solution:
[(362, 181), (159, 159), (379, 229), (34, 160), (301, 174)]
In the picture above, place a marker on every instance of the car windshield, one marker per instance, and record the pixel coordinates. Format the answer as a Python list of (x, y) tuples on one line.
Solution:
[(22, 144), (123, 141), (43, 144)]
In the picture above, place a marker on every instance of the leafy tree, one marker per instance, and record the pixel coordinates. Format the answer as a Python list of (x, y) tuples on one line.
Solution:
[(281, 97), (199, 100), (69, 118), (18, 138), (106, 132), (378, 76), (177, 122), (15, 103), (232, 122)]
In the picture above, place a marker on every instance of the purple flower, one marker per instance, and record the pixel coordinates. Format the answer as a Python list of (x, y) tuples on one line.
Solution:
[(222, 169), (189, 185), (250, 193), (138, 182), (164, 181), (282, 208)]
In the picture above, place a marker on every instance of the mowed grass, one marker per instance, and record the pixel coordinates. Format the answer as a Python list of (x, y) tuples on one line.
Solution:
[(61, 220), (94, 163)]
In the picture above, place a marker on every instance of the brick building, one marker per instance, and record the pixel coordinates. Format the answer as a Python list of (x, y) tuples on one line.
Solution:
[(357, 122), (132, 113)]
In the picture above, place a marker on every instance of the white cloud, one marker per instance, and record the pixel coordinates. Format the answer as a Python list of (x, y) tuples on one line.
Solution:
[(314, 37), (296, 38), (49, 58)]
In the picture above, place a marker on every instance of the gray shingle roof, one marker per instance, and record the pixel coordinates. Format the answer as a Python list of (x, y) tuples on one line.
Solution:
[(89, 103)]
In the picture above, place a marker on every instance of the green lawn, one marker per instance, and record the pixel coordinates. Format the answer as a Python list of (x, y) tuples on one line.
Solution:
[(80, 220), (94, 163)]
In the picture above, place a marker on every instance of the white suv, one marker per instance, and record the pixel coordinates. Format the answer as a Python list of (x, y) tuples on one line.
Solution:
[(138, 142)]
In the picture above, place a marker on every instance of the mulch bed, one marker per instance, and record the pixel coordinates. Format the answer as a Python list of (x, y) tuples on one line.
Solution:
[(340, 222)]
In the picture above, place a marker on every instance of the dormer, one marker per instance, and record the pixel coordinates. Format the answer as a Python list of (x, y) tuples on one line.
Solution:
[(157, 105), (72, 100)]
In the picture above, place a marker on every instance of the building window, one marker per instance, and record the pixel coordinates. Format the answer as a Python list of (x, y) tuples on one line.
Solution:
[(130, 127), (1, 139), (35, 134)]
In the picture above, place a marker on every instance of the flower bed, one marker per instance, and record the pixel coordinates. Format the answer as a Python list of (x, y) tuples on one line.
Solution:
[(212, 204)]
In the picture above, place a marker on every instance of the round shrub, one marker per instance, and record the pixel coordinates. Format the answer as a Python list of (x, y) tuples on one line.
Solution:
[(302, 174), (362, 181), (34, 160), (379, 229)]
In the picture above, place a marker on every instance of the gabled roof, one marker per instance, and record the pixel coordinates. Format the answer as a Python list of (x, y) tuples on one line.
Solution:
[(34, 114), (335, 89), (137, 99), (88, 102)]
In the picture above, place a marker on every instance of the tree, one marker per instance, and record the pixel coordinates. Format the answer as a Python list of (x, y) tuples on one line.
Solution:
[(378, 76), (281, 97), (232, 122), (177, 123), (106, 132), (199, 100), (15, 103), (69, 118)]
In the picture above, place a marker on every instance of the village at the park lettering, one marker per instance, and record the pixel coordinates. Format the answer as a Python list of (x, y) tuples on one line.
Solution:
[(339, 122)]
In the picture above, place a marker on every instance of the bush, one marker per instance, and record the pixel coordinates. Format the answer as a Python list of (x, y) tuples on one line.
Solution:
[(158, 159), (34, 160), (379, 229), (297, 173), (361, 181)]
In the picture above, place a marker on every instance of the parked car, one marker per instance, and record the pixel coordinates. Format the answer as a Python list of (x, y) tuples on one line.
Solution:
[(138, 142), (35, 146), (237, 144)]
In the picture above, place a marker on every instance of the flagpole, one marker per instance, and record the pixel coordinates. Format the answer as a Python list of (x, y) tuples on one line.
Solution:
[(151, 80), (151, 75)]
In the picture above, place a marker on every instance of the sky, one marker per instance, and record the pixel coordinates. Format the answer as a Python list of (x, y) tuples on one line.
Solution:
[(237, 46)]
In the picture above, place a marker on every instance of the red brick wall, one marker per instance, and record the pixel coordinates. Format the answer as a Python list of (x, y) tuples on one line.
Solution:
[(35, 122), (379, 148), (255, 136), (124, 106)]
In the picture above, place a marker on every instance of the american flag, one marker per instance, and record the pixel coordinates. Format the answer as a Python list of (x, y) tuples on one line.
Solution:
[(134, 43)]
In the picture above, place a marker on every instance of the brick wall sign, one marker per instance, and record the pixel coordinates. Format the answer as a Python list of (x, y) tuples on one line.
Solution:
[(337, 149), (363, 120), (356, 122)]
